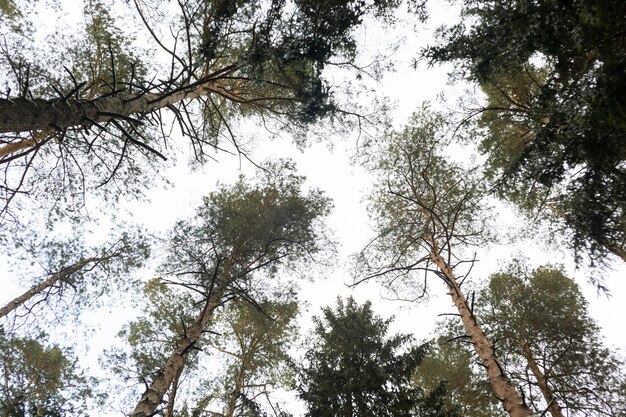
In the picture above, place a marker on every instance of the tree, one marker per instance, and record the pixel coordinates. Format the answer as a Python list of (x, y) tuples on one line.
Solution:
[(41, 380), (553, 348), (353, 368), (248, 341), (449, 363), (569, 155), (229, 61), (253, 340), (240, 235), (68, 268), (428, 211)]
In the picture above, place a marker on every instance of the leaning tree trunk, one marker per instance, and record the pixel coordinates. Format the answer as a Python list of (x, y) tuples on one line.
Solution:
[(542, 382), (49, 282), (500, 383), (21, 114), (153, 396)]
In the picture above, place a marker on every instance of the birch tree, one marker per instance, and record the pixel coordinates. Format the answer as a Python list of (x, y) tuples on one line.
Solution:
[(427, 211)]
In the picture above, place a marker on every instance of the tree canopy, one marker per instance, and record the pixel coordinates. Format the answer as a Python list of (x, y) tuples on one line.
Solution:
[(105, 119), (555, 117), (352, 367)]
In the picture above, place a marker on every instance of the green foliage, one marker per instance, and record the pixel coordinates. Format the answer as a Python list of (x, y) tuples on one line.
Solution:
[(259, 227), (240, 238), (546, 310), (150, 338), (86, 274), (450, 364), (353, 368), (41, 380), (420, 193), (570, 144), (252, 342)]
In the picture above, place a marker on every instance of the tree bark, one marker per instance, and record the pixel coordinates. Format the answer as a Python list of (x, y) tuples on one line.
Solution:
[(153, 396), (171, 398), (500, 383), (548, 395), (22, 114), (236, 392), (49, 282)]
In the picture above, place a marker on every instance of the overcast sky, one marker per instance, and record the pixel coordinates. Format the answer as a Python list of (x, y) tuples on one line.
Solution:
[(332, 171)]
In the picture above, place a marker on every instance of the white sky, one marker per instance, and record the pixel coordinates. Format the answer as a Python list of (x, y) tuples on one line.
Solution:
[(346, 184)]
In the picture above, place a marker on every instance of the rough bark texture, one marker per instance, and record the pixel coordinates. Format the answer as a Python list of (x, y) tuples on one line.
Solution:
[(542, 382), (171, 398), (49, 282), (500, 384), (26, 115), (153, 396)]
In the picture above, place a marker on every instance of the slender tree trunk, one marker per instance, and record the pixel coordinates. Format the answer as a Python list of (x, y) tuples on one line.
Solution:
[(49, 282), (548, 395), (153, 396), (171, 398), (500, 384), (232, 401)]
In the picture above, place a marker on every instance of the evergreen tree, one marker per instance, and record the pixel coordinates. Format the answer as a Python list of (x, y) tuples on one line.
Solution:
[(37, 379), (553, 347), (559, 145), (240, 236), (352, 367), (229, 61)]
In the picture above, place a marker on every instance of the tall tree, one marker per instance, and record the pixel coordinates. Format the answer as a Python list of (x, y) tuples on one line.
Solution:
[(553, 347), (569, 154), (352, 367), (249, 343), (428, 212), (229, 61), (37, 379), (239, 235)]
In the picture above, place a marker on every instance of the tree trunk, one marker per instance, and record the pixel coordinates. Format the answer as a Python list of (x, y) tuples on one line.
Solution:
[(153, 396), (171, 398), (548, 395), (500, 384), (53, 279), (236, 392), (21, 114)]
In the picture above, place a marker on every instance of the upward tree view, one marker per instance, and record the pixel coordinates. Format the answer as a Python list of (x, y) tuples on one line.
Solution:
[(274, 296)]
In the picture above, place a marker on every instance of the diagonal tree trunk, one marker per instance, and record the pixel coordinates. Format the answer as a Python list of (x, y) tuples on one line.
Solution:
[(171, 398), (546, 391), (500, 383), (50, 281), (153, 396), (24, 115)]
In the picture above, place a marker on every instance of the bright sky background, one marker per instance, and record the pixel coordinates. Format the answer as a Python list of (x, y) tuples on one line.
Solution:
[(347, 184)]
